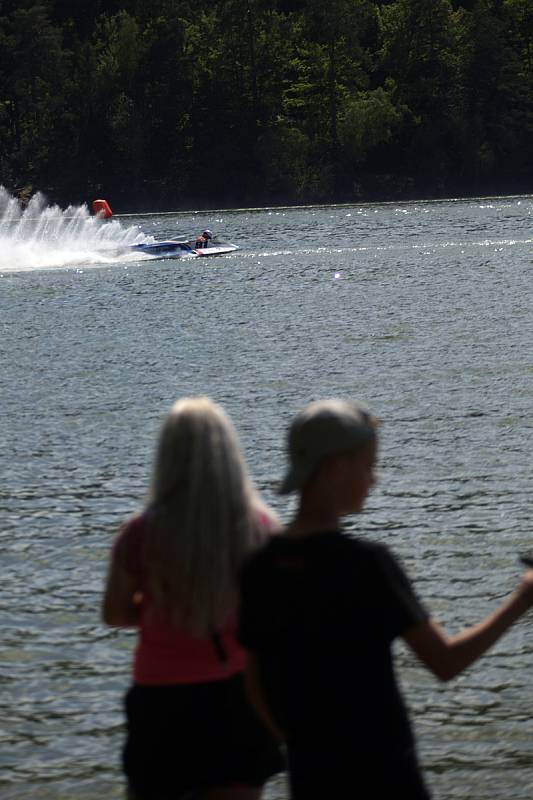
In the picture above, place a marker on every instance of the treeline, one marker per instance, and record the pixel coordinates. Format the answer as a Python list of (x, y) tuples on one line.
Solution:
[(158, 104)]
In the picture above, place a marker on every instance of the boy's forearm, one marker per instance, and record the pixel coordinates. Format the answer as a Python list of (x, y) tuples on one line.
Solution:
[(472, 643), (447, 656)]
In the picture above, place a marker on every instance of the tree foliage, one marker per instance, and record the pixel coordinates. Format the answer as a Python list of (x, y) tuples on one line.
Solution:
[(175, 103)]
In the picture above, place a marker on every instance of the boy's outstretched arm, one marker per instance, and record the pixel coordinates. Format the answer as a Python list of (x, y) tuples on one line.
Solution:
[(447, 656), (256, 696)]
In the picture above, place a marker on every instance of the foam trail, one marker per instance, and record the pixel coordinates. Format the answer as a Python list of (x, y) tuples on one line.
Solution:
[(42, 236)]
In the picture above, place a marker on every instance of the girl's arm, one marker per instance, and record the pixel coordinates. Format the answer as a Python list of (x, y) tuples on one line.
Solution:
[(447, 656), (256, 696), (122, 600)]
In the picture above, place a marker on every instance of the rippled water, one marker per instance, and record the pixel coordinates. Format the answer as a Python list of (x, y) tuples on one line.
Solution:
[(423, 310)]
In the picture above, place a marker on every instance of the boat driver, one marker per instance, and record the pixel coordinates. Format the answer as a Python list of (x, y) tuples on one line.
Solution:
[(203, 239)]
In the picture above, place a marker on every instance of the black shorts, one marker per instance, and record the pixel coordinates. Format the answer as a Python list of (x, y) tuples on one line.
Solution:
[(337, 768), (190, 737)]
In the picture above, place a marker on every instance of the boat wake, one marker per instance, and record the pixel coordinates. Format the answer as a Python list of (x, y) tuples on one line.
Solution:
[(42, 236)]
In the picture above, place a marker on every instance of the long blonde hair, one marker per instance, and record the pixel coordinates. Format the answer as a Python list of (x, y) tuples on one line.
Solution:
[(204, 515)]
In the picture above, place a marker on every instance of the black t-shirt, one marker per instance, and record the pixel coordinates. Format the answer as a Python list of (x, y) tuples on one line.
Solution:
[(320, 614)]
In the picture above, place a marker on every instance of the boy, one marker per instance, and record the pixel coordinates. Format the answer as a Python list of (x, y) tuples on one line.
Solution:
[(319, 613)]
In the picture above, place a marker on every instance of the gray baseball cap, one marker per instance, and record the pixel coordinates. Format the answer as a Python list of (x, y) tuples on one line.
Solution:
[(325, 428)]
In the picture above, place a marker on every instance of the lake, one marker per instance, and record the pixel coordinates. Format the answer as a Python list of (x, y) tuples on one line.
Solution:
[(423, 310)]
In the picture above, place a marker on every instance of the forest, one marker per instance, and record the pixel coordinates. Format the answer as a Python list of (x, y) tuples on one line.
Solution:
[(174, 104)]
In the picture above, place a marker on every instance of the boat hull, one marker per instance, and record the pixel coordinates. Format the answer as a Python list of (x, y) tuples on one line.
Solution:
[(182, 249), (219, 249), (169, 249)]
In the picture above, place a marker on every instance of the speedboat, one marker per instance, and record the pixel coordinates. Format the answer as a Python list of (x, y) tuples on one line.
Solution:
[(179, 248)]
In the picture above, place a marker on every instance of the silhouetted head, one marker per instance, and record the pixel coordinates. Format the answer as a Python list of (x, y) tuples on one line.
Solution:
[(325, 428)]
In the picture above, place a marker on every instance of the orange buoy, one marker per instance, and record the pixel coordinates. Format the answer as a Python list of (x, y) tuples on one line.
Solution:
[(101, 208)]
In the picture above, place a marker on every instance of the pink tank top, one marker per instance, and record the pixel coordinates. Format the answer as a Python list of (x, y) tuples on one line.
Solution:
[(165, 653)]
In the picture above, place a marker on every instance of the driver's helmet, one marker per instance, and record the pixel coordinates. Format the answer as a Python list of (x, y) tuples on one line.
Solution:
[(207, 234)]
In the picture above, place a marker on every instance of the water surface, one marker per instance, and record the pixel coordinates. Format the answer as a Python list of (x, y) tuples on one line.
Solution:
[(421, 309)]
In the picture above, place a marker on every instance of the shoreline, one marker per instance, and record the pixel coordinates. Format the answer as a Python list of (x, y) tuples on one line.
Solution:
[(304, 206)]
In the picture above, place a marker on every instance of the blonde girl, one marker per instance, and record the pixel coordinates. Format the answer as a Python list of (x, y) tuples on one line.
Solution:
[(173, 575)]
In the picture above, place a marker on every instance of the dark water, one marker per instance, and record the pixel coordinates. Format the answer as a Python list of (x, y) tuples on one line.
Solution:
[(422, 310)]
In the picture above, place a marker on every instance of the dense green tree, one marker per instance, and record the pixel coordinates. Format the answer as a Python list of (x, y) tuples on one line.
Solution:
[(223, 102), (33, 69), (497, 88), (420, 54), (519, 17)]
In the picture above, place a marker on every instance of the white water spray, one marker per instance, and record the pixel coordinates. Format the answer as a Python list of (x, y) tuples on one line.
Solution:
[(42, 236)]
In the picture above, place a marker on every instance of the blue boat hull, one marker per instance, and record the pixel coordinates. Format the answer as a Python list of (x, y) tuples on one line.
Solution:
[(169, 249), (174, 249)]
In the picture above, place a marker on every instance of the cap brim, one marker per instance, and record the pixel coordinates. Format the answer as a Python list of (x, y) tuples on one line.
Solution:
[(289, 483), (285, 486), (294, 479)]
